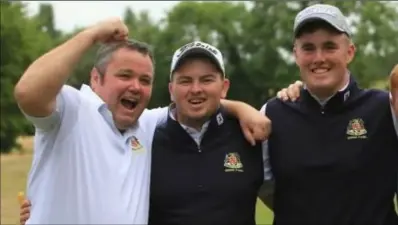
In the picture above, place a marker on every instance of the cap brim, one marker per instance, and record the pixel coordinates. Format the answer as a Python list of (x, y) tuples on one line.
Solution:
[(194, 51), (324, 18)]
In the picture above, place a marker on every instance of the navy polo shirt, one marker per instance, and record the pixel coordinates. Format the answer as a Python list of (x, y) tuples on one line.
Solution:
[(215, 182), (337, 163)]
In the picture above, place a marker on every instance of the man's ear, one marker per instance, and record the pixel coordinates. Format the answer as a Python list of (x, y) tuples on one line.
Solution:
[(94, 78), (350, 52), (171, 91), (295, 53), (225, 88)]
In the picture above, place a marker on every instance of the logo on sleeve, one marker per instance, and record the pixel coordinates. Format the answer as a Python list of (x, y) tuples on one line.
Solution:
[(356, 129), (232, 163)]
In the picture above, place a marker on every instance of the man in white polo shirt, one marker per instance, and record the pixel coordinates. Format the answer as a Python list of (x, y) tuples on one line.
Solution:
[(92, 147)]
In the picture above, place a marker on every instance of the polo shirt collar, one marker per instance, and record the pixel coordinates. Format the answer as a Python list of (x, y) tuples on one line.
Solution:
[(337, 100), (210, 128), (90, 94), (190, 130), (323, 102)]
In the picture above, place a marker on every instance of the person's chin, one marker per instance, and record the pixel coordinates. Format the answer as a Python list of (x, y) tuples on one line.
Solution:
[(197, 115), (322, 82), (127, 121)]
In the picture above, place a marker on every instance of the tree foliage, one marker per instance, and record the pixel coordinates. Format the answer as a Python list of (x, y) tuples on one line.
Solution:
[(255, 38)]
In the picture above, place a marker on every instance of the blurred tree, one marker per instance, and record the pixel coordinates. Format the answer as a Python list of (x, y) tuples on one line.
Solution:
[(256, 40), (46, 20), (21, 42)]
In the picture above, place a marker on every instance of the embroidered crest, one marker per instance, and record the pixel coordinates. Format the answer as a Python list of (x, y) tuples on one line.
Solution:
[(135, 144), (356, 129), (232, 163)]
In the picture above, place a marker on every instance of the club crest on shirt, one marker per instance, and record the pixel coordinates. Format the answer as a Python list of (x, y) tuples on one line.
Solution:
[(232, 162), (356, 129), (135, 144)]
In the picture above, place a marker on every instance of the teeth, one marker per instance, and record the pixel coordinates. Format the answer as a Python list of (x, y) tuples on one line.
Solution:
[(196, 101), (131, 100), (320, 70)]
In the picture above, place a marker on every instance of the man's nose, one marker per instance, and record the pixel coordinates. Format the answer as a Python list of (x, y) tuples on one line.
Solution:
[(134, 85), (196, 87), (319, 56)]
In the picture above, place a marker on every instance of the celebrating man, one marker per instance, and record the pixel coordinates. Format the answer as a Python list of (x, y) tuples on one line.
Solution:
[(334, 151), (92, 152)]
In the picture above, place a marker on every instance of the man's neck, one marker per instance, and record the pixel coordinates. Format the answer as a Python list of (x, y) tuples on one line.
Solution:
[(196, 124), (324, 96)]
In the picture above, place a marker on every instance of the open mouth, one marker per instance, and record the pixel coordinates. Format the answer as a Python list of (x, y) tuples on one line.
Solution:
[(320, 70), (129, 104), (197, 101)]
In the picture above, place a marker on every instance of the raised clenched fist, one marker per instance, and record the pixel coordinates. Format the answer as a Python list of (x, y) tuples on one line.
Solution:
[(109, 30)]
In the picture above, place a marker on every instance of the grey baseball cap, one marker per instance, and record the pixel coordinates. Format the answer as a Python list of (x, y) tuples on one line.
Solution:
[(194, 48), (328, 13)]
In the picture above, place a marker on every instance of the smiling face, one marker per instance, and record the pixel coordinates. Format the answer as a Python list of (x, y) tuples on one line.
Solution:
[(323, 54), (126, 86), (197, 87)]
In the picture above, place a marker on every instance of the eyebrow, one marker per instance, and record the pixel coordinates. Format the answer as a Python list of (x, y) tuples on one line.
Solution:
[(130, 72), (208, 76), (308, 44), (124, 71), (200, 77)]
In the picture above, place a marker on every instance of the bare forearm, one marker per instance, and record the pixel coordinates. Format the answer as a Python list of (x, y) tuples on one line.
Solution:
[(38, 87), (233, 107)]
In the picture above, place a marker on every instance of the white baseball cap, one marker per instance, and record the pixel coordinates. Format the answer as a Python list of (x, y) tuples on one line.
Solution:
[(328, 13), (197, 47)]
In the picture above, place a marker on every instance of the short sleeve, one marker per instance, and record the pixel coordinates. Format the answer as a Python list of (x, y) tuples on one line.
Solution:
[(67, 102)]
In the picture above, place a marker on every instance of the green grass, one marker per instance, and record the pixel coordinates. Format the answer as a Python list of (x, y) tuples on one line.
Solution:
[(14, 169), (263, 214)]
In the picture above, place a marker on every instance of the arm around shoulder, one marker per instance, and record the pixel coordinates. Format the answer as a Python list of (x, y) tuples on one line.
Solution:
[(155, 116), (255, 126)]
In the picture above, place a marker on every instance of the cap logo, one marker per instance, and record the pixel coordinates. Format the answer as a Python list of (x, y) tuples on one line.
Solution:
[(220, 119), (196, 45)]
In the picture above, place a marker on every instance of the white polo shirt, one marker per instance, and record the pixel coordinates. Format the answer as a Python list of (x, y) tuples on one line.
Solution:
[(84, 170)]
